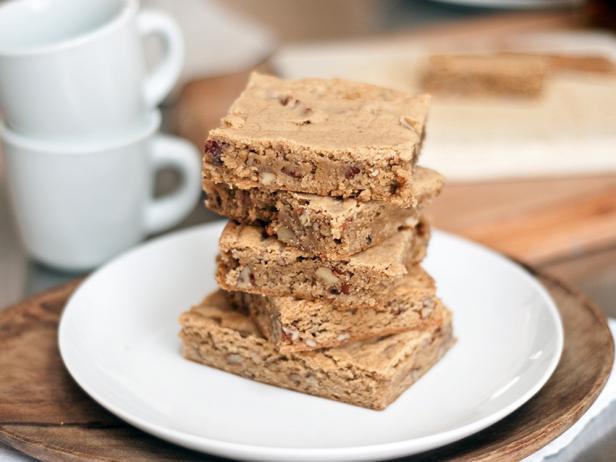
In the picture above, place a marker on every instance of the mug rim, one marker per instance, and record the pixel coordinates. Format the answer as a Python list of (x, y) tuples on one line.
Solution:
[(128, 9), (9, 137)]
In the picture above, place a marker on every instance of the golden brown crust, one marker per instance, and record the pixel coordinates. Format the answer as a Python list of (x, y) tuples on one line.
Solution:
[(327, 137)]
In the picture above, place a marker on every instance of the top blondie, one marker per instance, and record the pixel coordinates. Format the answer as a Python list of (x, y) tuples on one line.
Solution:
[(322, 136)]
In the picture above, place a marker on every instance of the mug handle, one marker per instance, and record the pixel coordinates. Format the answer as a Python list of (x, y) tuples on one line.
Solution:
[(164, 212), (163, 77)]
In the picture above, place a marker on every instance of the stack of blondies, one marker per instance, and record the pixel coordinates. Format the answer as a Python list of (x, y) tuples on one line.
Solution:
[(322, 288)]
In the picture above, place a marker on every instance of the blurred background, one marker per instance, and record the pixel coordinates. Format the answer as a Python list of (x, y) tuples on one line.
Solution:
[(529, 154), (531, 172)]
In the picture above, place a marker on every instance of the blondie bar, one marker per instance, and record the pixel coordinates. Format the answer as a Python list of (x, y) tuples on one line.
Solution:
[(372, 373), (322, 225), (301, 325), (250, 261), (485, 74), (321, 136)]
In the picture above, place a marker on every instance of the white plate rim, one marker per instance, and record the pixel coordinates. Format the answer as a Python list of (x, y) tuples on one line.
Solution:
[(261, 452)]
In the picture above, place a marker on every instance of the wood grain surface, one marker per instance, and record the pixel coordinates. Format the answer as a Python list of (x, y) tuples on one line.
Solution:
[(46, 415), (537, 221)]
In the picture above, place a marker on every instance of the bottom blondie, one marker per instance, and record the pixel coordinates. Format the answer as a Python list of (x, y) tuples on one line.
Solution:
[(371, 374)]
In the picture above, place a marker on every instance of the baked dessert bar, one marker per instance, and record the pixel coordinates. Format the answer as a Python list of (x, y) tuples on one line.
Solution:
[(485, 74), (580, 63), (321, 136), (300, 325), (559, 63), (322, 225), (371, 374), (250, 261)]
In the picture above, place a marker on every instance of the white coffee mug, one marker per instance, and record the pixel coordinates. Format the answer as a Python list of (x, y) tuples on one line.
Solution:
[(75, 68), (77, 205)]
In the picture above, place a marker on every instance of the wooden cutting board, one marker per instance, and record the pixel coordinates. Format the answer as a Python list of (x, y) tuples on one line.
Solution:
[(538, 221), (46, 415)]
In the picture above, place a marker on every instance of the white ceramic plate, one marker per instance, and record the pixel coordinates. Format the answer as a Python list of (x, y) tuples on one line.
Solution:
[(118, 339)]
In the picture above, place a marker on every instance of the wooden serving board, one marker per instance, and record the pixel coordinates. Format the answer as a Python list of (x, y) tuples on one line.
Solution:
[(46, 415)]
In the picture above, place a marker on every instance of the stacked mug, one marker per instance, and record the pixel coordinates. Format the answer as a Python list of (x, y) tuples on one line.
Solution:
[(80, 127)]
